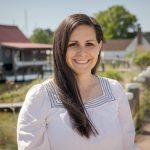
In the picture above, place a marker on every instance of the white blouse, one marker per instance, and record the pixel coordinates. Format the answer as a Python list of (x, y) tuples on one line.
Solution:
[(44, 124)]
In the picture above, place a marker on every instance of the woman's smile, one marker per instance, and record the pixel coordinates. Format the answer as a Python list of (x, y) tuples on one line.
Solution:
[(81, 61), (83, 49)]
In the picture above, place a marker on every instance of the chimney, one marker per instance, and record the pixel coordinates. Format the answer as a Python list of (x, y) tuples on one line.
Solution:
[(139, 35)]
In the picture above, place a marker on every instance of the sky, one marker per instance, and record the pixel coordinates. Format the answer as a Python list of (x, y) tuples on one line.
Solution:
[(31, 14)]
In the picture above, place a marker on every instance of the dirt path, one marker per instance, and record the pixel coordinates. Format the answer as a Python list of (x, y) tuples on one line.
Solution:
[(143, 139)]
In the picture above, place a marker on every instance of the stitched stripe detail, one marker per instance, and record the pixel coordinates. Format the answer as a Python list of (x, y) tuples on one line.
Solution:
[(53, 96), (106, 97)]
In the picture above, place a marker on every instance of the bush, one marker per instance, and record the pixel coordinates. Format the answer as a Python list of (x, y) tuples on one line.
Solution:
[(111, 74), (142, 59)]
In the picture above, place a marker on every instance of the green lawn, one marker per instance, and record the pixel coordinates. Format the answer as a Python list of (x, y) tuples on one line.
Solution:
[(15, 92), (8, 131)]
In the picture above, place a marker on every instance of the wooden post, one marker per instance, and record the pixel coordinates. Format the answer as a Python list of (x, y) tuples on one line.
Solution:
[(135, 103), (130, 96), (134, 88)]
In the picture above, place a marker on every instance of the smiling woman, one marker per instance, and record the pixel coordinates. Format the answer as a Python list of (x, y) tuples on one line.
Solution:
[(76, 109), (83, 50)]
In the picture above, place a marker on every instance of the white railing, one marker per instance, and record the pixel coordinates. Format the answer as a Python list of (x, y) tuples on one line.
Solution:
[(30, 63), (26, 77)]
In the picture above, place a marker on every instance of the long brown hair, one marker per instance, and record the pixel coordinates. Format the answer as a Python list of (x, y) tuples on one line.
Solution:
[(64, 77)]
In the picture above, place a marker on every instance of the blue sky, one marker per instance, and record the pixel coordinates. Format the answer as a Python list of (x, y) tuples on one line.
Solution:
[(49, 13)]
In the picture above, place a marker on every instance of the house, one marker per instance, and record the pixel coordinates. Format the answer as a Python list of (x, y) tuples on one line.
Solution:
[(116, 49), (119, 48), (20, 59)]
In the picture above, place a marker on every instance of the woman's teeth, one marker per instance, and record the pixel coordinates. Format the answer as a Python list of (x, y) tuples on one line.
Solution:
[(81, 61)]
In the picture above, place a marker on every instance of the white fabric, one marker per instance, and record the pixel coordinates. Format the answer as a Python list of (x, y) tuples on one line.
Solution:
[(44, 124)]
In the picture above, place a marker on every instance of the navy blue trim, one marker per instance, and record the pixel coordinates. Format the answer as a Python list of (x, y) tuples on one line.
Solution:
[(106, 96)]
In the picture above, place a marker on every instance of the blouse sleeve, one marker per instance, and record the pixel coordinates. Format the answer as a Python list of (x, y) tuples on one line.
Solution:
[(31, 126), (125, 117)]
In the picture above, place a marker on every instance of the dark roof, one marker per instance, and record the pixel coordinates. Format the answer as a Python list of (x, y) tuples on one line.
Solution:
[(116, 44), (24, 46), (12, 34), (147, 36)]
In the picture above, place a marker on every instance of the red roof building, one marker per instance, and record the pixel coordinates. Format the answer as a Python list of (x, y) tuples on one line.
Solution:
[(19, 57), (26, 46), (116, 44), (12, 34)]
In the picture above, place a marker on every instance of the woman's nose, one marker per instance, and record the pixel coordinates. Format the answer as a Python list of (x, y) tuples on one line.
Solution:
[(82, 49), (82, 52)]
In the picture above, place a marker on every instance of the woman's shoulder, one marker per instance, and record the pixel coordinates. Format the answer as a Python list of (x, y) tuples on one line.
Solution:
[(36, 98), (116, 87), (37, 92), (48, 81), (114, 84), (39, 87), (109, 80)]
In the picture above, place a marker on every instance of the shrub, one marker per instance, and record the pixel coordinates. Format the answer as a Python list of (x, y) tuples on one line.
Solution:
[(111, 74), (142, 59)]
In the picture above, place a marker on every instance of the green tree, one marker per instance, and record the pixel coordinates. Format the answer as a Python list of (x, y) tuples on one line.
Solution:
[(50, 34), (117, 22), (41, 36)]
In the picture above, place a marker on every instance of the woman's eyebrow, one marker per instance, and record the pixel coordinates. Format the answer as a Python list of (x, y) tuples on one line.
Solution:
[(86, 41), (73, 41), (91, 40)]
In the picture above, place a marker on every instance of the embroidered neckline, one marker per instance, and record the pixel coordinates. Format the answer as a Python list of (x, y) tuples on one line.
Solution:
[(106, 96)]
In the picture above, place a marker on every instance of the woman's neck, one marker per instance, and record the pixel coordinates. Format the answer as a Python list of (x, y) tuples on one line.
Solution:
[(85, 81)]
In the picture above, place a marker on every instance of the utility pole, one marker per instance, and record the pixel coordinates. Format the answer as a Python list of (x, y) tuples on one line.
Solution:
[(26, 22)]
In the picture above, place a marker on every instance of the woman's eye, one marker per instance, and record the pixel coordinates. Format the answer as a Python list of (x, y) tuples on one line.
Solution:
[(72, 45), (89, 44)]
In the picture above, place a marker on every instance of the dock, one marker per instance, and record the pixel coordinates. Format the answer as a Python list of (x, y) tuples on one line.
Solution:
[(10, 107)]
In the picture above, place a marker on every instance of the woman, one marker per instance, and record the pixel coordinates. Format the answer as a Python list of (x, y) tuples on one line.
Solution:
[(76, 110)]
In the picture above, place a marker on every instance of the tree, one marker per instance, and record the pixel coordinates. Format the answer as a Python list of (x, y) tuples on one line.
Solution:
[(42, 36), (117, 22), (50, 34)]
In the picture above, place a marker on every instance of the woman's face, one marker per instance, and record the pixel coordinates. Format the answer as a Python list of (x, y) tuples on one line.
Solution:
[(83, 49)]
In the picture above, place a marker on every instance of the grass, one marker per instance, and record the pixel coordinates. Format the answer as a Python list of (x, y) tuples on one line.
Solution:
[(120, 73), (15, 92), (8, 131), (3, 88)]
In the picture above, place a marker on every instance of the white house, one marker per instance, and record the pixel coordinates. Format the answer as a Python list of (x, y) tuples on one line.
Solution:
[(116, 48), (119, 48)]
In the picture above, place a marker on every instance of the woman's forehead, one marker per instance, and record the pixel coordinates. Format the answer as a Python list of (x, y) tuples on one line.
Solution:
[(83, 31)]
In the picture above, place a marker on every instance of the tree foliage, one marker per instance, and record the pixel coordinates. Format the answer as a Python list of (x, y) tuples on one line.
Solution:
[(117, 22), (42, 36), (50, 34)]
